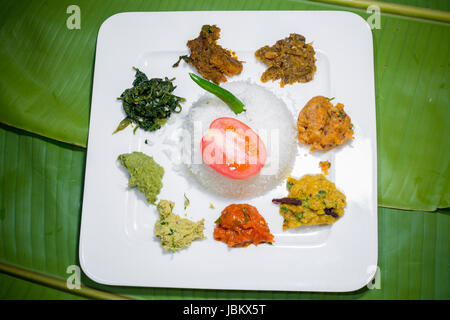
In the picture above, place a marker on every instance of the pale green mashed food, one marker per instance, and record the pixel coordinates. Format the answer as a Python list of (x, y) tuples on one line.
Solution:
[(145, 174), (175, 232)]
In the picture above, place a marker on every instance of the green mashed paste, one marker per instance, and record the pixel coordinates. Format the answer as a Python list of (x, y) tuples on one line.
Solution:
[(145, 174), (175, 232)]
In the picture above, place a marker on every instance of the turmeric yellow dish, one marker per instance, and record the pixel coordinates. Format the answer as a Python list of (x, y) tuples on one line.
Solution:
[(322, 125), (312, 200)]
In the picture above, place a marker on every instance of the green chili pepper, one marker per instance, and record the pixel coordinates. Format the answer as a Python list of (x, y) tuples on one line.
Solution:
[(226, 96)]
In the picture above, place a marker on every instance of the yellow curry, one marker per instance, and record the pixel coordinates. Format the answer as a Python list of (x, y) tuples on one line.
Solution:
[(312, 200)]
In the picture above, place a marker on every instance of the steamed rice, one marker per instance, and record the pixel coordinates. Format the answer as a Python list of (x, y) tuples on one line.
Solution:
[(268, 116)]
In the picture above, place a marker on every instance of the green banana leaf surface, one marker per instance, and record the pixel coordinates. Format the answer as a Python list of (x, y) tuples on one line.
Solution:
[(443, 5), (13, 288)]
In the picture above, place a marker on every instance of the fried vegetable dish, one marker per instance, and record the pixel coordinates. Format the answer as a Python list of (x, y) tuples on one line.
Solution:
[(312, 200), (291, 60), (149, 103), (211, 60), (240, 225), (322, 125)]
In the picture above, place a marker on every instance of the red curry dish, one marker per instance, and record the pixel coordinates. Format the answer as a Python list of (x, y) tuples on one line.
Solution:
[(241, 225)]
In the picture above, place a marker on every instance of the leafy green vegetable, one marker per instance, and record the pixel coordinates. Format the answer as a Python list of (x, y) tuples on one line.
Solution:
[(208, 28), (186, 59), (306, 203), (246, 215), (299, 216), (123, 124), (321, 193), (226, 96), (149, 103), (289, 185), (284, 209), (186, 202)]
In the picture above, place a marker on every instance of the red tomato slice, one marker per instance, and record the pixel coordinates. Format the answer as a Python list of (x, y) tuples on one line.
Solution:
[(233, 149)]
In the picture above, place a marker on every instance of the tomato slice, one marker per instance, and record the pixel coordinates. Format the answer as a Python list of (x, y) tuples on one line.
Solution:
[(233, 149)]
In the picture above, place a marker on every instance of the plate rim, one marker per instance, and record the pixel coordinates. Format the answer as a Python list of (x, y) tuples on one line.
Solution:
[(85, 265)]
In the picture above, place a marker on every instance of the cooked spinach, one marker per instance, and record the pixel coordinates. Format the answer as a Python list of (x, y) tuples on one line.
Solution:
[(185, 58), (149, 103)]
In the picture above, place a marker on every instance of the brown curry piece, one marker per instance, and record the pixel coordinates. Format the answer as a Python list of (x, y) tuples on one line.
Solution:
[(291, 60), (322, 125), (211, 60)]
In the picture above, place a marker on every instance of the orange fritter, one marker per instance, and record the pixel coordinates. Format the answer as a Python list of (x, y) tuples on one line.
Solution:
[(322, 125)]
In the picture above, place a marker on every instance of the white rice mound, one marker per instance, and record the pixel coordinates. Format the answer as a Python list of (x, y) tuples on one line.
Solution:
[(268, 116)]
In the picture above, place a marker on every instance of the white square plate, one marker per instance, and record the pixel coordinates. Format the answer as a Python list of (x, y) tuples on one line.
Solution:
[(117, 242)]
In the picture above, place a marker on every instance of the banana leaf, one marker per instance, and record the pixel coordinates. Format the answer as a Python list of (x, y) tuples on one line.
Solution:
[(47, 70), (413, 114), (40, 195), (399, 7), (436, 5), (13, 288)]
